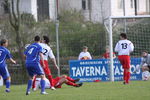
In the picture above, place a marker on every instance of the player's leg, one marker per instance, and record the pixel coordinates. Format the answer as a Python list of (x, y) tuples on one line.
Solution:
[(30, 71), (48, 74), (123, 65), (70, 79), (40, 73), (65, 80), (127, 68), (6, 76), (34, 83), (29, 85)]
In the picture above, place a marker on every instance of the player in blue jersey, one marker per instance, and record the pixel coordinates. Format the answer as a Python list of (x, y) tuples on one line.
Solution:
[(5, 54), (33, 55)]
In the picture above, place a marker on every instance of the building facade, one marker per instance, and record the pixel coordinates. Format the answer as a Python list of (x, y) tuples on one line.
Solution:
[(40, 9), (93, 10), (98, 10)]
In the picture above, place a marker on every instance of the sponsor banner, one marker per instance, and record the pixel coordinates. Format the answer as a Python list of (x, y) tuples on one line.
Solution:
[(98, 70)]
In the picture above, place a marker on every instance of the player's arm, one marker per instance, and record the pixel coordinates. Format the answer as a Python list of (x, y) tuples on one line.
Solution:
[(114, 56), (54, 63), (13, 61), (51, 55), (42, 59), (9, 57), (80, 56), (131, 47), (90, 57), (117, 47)]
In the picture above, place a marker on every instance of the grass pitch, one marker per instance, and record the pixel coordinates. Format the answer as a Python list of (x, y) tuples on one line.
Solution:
[(136, 90)]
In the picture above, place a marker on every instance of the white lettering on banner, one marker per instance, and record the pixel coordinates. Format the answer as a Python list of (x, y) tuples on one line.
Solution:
[(103, 71), (79, 71), (97, 71), (92, 71), (88, 71), (90, 62), (117, 72)]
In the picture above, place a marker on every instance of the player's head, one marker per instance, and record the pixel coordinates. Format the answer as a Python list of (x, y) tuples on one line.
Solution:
[(85, 48), (107, 49), (46, 39), (4, 42), (37, 38), (123, 36), (144, 53)]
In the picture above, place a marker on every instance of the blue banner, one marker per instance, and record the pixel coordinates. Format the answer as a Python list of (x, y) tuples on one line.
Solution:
[(98, 70)]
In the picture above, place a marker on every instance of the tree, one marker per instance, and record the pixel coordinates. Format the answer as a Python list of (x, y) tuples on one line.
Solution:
[(15, 21)]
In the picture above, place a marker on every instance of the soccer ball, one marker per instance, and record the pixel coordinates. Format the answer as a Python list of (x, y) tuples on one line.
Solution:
[(145, 75)]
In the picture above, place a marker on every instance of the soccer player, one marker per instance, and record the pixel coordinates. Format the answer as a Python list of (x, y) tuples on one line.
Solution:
[(5, 54), (33, 55), (84, 55), (145, 63), (58, 81), (124, 47), (48, 53), (107, 53)]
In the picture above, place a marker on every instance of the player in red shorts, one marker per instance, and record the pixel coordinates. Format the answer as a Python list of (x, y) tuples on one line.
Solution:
[(47, 53), (58, 81), (124, 47)]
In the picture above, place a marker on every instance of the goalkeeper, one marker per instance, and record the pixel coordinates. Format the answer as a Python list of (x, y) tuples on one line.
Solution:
[(145, 63)]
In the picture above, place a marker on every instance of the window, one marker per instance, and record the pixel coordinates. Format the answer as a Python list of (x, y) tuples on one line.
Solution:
[(86, 4), (131, 3), (5, 7)]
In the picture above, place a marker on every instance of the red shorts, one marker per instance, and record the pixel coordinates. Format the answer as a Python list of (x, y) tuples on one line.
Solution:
[(125, 61), (46, 69), (55, 82)]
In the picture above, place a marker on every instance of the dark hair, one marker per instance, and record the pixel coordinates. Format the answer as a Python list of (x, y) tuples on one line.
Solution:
[(37, 38), (123, 35), (3, 41), (85, 47), (46, 39), (145, 51)]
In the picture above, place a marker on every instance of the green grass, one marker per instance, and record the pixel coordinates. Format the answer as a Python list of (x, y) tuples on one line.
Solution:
[(136, 90)]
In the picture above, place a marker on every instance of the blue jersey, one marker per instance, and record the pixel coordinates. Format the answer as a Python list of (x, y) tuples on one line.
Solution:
[(32, 53), (4, 54)]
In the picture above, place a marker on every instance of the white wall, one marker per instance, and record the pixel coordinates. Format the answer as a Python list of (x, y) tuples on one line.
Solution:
[(142, 7), (70, 4), (29, 6), (52, 9)]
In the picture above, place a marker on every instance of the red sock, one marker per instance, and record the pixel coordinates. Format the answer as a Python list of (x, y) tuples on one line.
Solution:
[(128, 77), (71, 83), (50, 78), (124, 75), (33, 84), (70, 79)]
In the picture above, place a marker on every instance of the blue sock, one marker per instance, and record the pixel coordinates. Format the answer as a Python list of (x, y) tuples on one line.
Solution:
[(7, 84), (42, 85), (29, 85)]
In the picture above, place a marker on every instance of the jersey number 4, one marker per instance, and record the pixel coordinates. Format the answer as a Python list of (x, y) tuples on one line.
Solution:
[(31, 50), (124, 45)]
